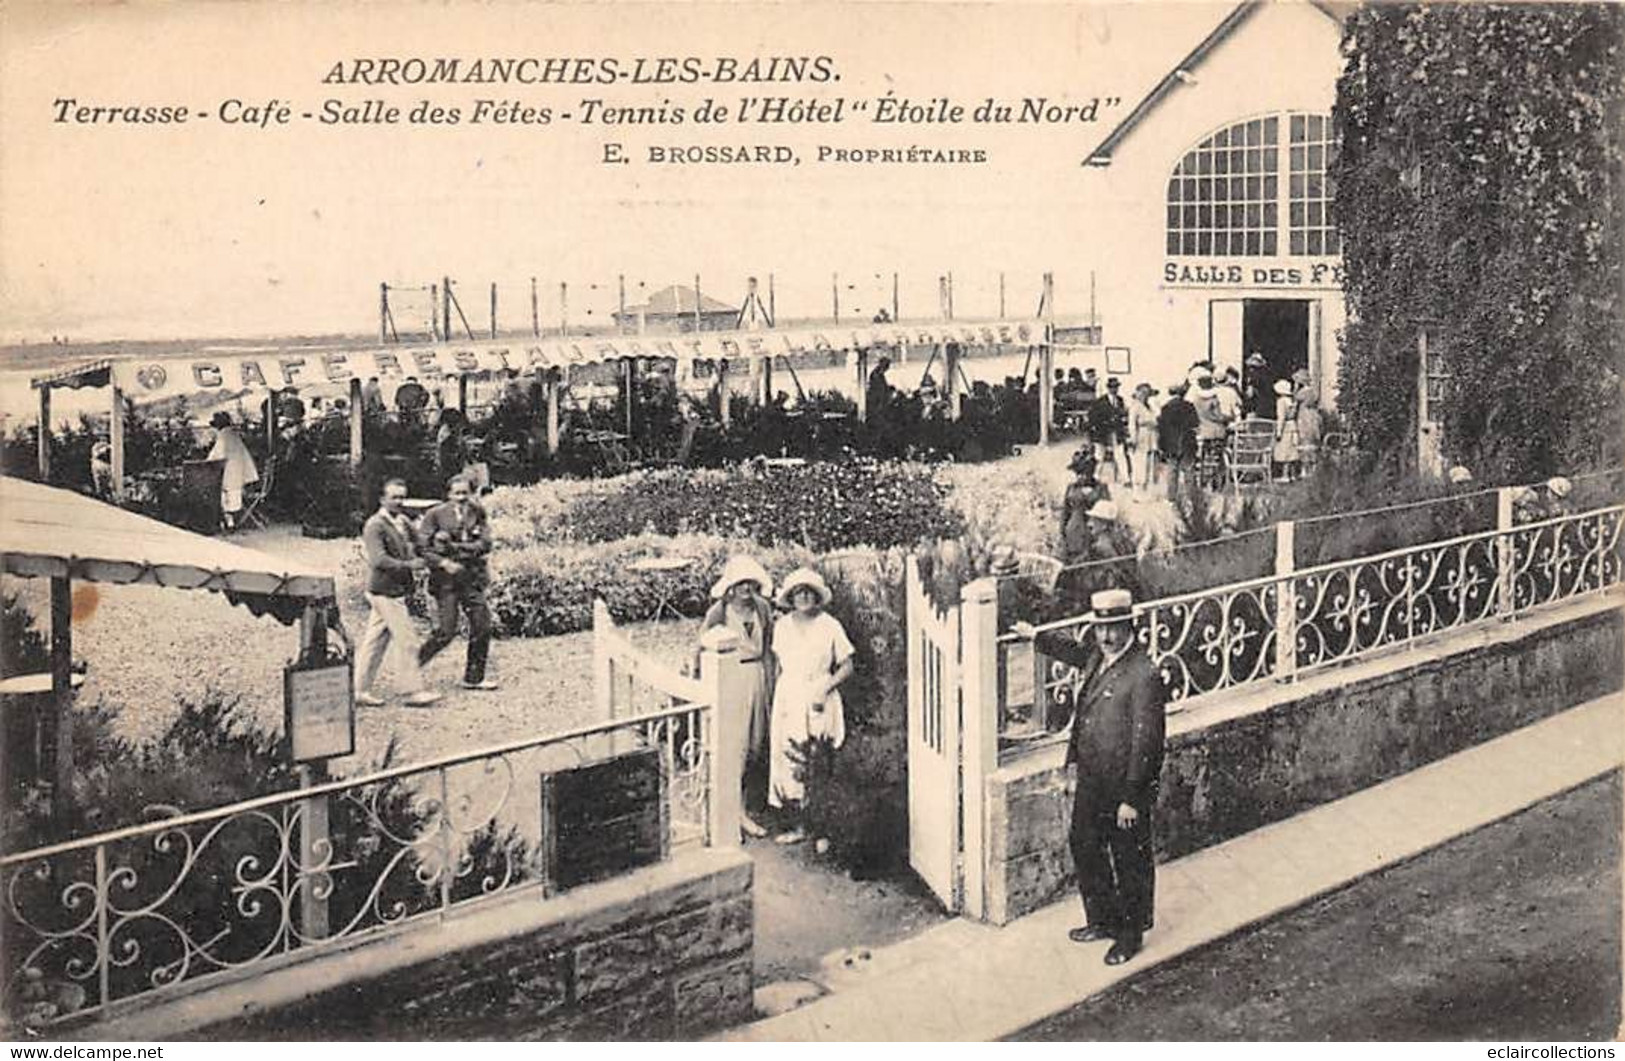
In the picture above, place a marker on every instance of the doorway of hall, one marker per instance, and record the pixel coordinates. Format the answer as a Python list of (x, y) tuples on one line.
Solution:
[(1279, 330)]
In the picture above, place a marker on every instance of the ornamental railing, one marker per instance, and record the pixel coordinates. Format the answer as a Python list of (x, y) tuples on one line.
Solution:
[(94, 926), (1281, 625)]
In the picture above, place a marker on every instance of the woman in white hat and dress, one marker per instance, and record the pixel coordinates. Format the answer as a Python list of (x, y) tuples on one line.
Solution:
[(813, 657), (1285, 453), (741, 605)]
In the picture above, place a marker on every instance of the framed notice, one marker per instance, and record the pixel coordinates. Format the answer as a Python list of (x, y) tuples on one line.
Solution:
[(318, 710), (1119, 361), (603, 818)]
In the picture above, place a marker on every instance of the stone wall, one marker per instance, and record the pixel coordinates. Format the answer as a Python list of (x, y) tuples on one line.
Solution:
[(1241, 761), (660, 953)]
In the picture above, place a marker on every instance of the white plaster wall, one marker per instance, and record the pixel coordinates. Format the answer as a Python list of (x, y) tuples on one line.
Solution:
[(1284, 58)]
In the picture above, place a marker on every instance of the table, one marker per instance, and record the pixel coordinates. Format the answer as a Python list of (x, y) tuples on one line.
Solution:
[(663, 572)]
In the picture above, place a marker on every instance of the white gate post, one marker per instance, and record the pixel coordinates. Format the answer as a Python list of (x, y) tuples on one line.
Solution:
[(603, 693), (728, 685), (979, 731), (1503, 553), (1286, 602)]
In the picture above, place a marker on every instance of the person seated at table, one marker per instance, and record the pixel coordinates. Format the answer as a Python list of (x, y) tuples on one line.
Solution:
[(741, 604), (239, 468)]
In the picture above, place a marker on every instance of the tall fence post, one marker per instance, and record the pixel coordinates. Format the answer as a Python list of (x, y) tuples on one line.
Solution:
[(1505, 607), (728, 684), (603, 694), (1286, 601), (979, 730)]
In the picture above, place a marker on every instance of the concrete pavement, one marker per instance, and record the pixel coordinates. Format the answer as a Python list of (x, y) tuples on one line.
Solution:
[(968, 982)]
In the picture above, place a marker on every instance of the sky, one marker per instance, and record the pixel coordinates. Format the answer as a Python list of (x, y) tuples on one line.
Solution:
[(210, 229)]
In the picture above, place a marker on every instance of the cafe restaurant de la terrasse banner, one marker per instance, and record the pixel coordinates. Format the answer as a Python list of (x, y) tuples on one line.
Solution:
[(151, 380)]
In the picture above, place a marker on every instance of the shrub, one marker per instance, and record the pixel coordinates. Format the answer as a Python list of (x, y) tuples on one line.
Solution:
[(820, 506)]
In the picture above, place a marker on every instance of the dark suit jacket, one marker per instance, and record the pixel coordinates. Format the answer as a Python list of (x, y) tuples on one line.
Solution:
[(389, 556), (1118, 723), (442, 535)]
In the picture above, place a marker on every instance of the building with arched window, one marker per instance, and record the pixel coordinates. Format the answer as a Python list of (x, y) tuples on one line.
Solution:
[(1217, 238)]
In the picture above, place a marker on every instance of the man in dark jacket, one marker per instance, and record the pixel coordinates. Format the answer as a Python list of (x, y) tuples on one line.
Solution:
[(392, 563), (1118, 728), (1108, 421), (1176, 436), (455, 538)]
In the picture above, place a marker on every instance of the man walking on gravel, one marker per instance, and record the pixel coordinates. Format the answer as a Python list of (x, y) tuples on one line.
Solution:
[(392, 564), (1118, 728), (456, 538)]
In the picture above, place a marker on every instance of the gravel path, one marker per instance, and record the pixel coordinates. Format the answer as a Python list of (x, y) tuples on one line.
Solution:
[(146, 646)]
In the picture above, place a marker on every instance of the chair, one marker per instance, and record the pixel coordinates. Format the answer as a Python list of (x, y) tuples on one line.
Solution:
[(1251, 448)]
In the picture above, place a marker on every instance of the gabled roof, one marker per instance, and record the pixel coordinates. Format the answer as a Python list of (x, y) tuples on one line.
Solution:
[(677, 300), (1102, 154)]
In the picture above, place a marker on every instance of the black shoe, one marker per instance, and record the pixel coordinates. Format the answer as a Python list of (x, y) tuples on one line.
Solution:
[(1123, 950), (1089, 934)]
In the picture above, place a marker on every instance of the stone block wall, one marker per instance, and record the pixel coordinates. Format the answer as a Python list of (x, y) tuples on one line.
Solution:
[(661, 953), (1309, 744)]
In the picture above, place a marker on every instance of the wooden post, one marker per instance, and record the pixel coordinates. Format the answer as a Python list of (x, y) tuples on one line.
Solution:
[(1429, 463), (699, 323), (445, 310), (863, 384), (895, 304), (357, 418), (383, 313), (767, 378), (979, 730), (1001, 295), (116, 440), (315, 846), (1046, 363), (269, 427), (493, 309), (603, 666), (950, 292), (772, 305), (552, 392), (630, 369), (462, 393), (564, 308), (620, 303), (535, 311), (951, 354), (1286, 602), (835, 295), (434, 312), (1505, 604), (723, 403), (57, 752), (44, 441), (727, 683)]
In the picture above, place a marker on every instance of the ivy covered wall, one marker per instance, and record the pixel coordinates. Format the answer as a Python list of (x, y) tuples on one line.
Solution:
[(1479, 190)]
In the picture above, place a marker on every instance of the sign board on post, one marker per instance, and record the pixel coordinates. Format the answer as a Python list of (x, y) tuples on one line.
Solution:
[(319, 710), (603, 818)]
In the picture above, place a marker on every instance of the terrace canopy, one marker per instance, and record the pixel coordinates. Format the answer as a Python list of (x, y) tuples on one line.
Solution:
[(205, 372), (46, 532)]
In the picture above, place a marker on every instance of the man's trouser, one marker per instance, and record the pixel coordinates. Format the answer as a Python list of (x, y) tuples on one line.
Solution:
[(1116, 867), (388, 626), (449, 599)]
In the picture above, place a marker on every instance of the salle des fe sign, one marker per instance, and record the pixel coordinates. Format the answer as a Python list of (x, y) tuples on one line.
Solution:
[(1184, 272)]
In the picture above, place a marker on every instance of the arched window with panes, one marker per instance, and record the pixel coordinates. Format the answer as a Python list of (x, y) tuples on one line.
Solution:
[(1243, 191)]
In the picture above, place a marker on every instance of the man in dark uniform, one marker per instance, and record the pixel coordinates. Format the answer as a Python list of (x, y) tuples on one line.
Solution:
[(455, 538), (1118, 728)]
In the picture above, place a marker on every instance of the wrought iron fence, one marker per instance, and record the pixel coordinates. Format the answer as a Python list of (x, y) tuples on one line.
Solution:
[(92, 925), (1277, 626)]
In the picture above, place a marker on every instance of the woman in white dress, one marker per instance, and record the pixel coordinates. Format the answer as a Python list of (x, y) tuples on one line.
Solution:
[(1285, 453), (814, 657), (239, 468), (741, 606)]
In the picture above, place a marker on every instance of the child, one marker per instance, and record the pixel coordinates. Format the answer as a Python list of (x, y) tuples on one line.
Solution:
[(814, 658)]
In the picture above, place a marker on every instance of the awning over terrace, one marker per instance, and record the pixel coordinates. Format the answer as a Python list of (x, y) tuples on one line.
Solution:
[(47, 532), (146, 379)]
